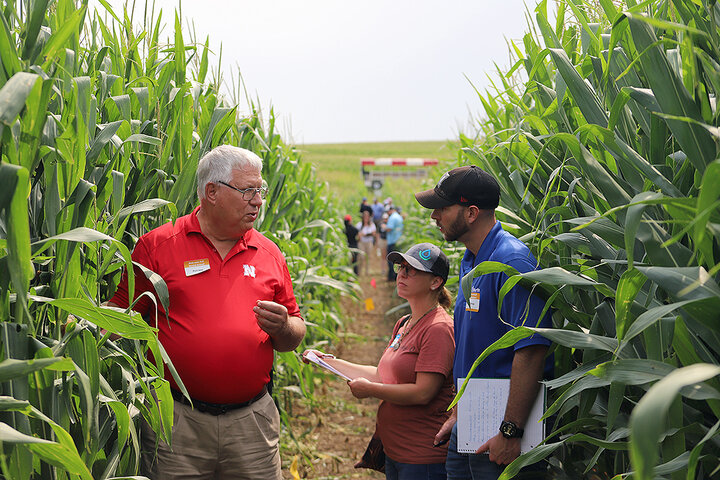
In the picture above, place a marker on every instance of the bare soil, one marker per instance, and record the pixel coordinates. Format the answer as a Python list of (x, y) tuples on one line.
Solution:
[(329, 433)]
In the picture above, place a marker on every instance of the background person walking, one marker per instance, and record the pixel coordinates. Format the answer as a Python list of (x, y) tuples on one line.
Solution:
[(352, 233), (394, 230), (377, 212), (366, 240)]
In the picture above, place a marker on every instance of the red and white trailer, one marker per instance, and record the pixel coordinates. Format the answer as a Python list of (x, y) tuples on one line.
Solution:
[(376, 170)]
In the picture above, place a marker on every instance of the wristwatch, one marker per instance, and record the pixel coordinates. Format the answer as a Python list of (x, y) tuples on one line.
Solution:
[(510, 430)]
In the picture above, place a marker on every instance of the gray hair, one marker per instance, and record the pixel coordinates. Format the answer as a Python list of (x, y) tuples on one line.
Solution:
[(218, 164)]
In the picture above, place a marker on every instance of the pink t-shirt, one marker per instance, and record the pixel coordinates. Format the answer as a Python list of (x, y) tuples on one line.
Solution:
[(408, 431)]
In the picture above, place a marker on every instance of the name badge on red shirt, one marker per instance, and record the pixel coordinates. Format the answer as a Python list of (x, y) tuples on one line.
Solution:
[(193, 267)]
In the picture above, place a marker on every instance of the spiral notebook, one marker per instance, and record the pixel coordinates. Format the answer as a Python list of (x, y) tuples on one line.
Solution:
[(481, 410)]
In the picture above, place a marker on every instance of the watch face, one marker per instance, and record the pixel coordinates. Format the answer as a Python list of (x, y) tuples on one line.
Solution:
[(508, 429)]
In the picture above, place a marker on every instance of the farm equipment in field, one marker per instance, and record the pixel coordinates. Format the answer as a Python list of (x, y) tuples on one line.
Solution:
[(376, 170)]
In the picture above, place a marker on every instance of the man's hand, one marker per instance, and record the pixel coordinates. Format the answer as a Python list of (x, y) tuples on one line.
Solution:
[(443, 435), (285, 332), (500, 449), (361, 387), (271, 317)]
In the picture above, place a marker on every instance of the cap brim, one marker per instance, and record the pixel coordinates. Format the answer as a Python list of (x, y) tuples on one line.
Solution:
[(430, 199), (395, 257)]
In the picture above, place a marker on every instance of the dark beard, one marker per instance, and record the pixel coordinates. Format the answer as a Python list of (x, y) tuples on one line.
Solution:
[(457, 228)]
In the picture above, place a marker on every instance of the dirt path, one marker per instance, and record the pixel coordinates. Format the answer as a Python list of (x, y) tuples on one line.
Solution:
[(332, 434)]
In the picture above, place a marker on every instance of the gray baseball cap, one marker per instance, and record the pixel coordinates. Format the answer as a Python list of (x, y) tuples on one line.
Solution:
[(425, 257)]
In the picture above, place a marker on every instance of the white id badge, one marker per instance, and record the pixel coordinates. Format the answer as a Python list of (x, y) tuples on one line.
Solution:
[(193, 267), (474, 304)]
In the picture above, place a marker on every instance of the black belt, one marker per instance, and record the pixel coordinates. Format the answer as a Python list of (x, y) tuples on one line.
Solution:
[(216, 408)]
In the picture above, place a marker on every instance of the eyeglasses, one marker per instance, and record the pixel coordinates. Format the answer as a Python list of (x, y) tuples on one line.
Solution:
[(249, 193), (407, 270)]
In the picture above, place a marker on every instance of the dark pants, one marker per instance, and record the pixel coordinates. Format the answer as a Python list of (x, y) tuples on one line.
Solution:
[(355, 262), (410, 471), (470, 466), (391, 271)]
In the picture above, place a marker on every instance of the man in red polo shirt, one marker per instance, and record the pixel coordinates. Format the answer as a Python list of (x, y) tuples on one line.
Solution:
[(231, 305)]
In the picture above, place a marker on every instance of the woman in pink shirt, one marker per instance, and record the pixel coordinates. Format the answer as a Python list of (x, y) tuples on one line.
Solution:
[(414, 376)]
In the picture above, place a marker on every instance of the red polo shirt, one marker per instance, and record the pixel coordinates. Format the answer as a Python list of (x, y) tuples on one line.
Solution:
[(212, 337)]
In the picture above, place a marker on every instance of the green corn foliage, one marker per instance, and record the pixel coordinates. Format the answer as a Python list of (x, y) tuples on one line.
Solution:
[(606, 152), (101, 128)]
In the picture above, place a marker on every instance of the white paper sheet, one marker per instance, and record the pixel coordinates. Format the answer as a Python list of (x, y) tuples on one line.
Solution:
[(481, 410), (311, 356)]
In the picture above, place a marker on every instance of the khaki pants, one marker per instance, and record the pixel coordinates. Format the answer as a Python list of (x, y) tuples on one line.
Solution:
[(240, 444), (367, 249)]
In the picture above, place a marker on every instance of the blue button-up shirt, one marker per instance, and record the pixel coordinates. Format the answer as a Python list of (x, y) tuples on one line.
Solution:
[(478, 325), (394, 228)]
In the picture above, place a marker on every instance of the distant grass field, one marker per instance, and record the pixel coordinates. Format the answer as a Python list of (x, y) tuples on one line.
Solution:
[(338, 164)]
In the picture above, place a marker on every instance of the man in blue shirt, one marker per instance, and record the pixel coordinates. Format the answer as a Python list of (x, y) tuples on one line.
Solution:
[(463, 204), (394, 230), (377, 212)]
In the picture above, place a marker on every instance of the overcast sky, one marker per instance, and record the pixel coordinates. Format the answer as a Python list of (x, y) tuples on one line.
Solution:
[(338, 71)]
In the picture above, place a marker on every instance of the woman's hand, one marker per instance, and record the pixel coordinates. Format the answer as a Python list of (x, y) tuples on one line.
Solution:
[(362, 387), (316, 352)]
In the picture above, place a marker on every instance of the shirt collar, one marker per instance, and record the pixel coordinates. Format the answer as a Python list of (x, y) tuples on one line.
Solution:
[(487, 247), (193, 224), (250, 239)]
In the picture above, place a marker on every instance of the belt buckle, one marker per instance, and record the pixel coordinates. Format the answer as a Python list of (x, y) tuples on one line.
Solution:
[(214, 409)]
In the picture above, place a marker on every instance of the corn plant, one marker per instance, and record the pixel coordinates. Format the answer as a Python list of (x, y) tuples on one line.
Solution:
[(606, 152), (101, 129)]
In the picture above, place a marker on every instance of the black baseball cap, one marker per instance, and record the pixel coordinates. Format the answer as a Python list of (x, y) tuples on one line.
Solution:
[(468, 185), (425, 257)]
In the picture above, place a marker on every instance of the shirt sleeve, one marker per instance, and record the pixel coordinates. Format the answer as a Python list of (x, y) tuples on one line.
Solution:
[(284, 293), (437, 349), (142, 284), (520, 308)]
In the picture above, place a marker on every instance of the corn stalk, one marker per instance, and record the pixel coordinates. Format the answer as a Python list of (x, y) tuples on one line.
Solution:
[(606, 151), (101, 129)]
